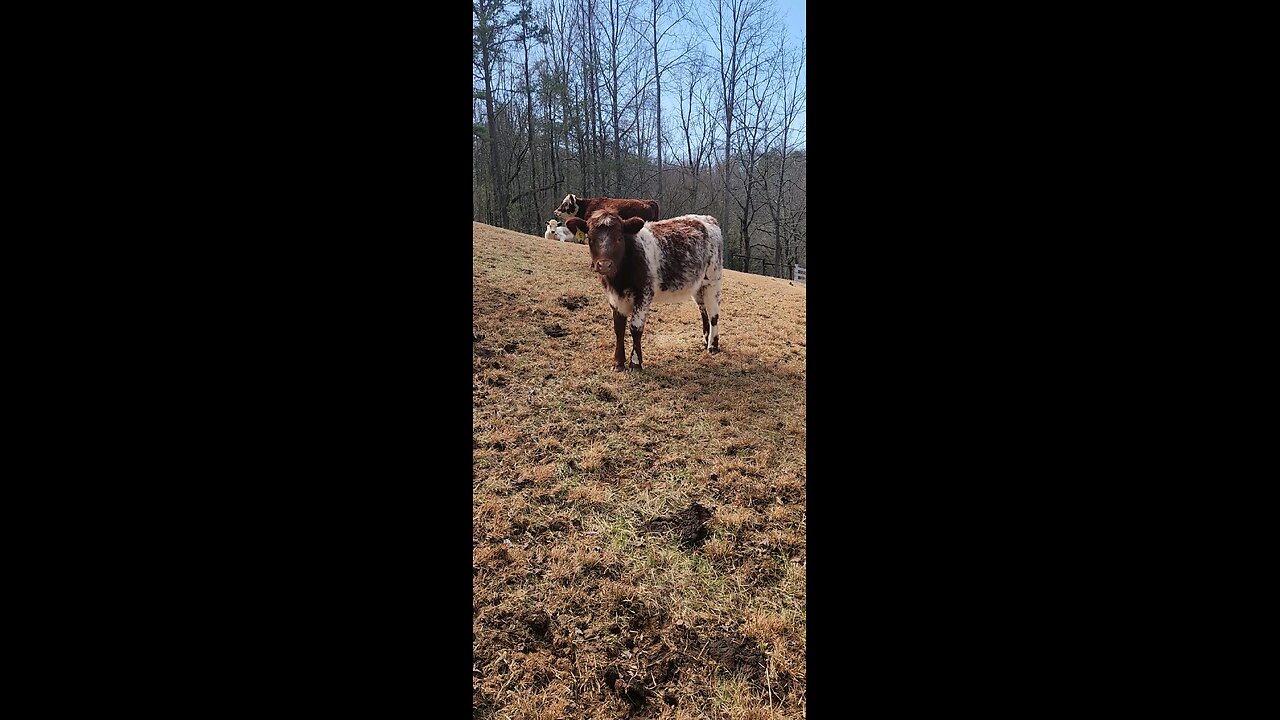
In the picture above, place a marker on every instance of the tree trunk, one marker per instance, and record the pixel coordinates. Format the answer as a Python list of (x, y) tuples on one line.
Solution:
[(724, 171), (657, 74), (589, 84), (555, 148), (688, 143), (534, 199), (728, 86), (617, 143), (582, 142), (495, 176), (777, 247), (615, 37), (580, 126)]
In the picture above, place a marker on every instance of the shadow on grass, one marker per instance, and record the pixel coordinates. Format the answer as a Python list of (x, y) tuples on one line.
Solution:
[(726, 382)]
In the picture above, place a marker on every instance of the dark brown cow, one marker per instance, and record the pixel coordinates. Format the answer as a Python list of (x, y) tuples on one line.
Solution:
[(574, 206), (641, 263)]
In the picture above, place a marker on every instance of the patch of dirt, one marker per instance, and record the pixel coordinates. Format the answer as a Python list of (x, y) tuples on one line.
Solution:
[(537, 621), (554, 330), (728, 648), (574, 302), (689, 524), (630, 688), (764, 572)]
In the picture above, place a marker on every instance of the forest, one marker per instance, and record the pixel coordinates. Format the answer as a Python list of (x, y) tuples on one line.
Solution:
[(698, 105)]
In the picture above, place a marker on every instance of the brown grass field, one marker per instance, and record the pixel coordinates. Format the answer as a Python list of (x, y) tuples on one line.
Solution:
[(638, 538)]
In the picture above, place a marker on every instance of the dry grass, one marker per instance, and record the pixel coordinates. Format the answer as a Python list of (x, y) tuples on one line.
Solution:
[(597, 592)]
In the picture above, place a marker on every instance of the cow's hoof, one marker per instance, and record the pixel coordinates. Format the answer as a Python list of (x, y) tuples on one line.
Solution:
[(619, 368), (714, 350), (636, 366)]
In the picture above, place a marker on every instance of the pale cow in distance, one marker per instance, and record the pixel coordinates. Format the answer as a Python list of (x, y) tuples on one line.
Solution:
[(560, 233), (641, 263)]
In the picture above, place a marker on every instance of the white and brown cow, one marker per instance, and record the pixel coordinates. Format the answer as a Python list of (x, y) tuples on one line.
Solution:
[(641, 263), (574, 206)]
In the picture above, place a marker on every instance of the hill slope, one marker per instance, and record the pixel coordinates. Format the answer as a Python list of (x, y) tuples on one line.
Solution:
[(638, 538)]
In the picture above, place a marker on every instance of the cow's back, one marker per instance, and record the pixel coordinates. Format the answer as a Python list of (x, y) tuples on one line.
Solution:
[(623, 207), (682, 253)]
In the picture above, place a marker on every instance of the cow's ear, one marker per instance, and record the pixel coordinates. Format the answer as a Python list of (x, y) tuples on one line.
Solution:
[(632, 225), (576, 225)]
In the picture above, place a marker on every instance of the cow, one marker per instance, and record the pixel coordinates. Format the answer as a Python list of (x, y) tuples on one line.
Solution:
[(574, 206), (557, 233), (641, 263)]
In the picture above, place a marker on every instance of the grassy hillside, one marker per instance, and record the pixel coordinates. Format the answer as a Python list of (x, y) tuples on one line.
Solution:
[(638, 538)]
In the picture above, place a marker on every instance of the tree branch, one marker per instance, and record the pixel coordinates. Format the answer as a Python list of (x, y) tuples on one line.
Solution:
[(529, 192)]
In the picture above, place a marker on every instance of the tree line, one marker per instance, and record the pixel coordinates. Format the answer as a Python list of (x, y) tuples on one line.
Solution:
[(694, 104)]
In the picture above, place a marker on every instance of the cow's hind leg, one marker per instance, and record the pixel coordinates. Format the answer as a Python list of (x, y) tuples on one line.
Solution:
[(711, 298), (706, 325), (637, 330)]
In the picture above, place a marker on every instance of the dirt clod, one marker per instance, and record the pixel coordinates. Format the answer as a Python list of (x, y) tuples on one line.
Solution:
[(574, 302), (538, 621), (689, 524)]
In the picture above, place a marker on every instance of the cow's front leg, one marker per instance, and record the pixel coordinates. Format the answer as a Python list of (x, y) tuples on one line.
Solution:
[(619, 329), (637, 330)]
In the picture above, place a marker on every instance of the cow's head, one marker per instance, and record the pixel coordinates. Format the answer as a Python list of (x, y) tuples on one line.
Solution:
[(552, 224), (606, 238), (569, 206)]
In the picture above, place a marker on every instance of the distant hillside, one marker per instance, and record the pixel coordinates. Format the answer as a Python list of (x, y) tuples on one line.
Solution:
[(638, 538)]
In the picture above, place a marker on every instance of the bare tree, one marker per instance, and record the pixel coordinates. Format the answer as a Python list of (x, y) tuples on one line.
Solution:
[(617, 20), (554, 88), (636, 183), (488, 36), (585, 39), (696, 114), (656, 16), (790, 66), (734, 28), (756, 107), (529, 28)]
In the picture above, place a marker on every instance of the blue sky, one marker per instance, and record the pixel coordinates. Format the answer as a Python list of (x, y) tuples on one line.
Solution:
[(793, 14)]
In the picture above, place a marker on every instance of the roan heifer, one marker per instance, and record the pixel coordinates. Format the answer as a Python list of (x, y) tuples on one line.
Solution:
[(574, 206), (656, 262)]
